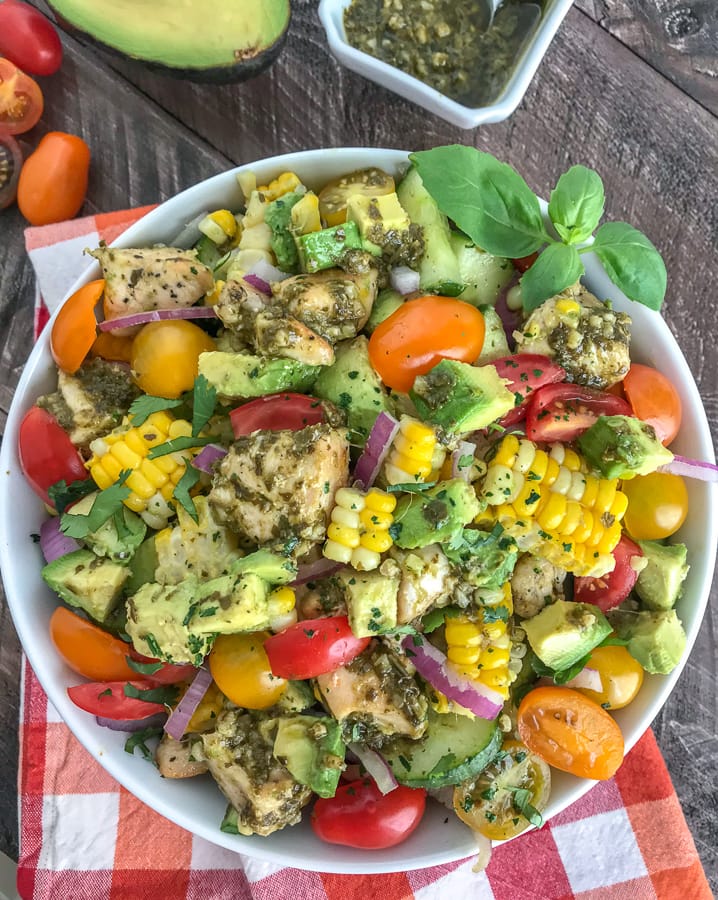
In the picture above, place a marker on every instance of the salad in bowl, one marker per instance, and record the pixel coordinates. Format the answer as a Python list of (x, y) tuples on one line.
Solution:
[(367, 493)]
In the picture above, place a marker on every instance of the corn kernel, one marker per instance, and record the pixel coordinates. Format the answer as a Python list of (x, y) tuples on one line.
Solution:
[(347, 537), (346, 517), (525, 456), (417, 432), (506, 454), (372, 519), (337, 552), (101, 477), (380, 501), (462, 632), (281, 601), (552, 512), (416, 467), (349, 498), (464, 656), (179, 428), (365, 560), (283, 184), (378, 541)]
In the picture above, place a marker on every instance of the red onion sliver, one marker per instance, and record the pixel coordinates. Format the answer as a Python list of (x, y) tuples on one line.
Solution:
[(158, 315), (53, 542), (511, 319), (153, 721), (320, 568), (587, 679), (691, 468), (179, 718), (376, 766), (259, 283), (267, 272), (464, 449), (404, 280), (377, 446), (434, 666), (207, 456)]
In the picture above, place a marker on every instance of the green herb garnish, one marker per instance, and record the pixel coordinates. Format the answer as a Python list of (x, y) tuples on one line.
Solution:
[(62, 494), (106, 504), (181, 492), (204, 400), (143, 407)]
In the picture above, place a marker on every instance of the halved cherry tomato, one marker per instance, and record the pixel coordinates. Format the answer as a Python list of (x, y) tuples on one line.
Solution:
[(657, 505), (611, 589), (10, 165), (75, 328), (570, 732), (313, 647), (46, 452), (526, 373), (359, 815), (167, 673), (112, 346), (276, 412), (21, 102), (28, 39), (239, 665), (333, 196), (621, 677), (53, 181), (107, 699), (165, 356), (562, 412), (89, 650), (523, 263), (654, 400), (420, 334)]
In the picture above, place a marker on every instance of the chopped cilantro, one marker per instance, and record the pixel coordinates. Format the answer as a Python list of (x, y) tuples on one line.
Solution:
[(166, 694), (182, 489), (144, 406), (137, 741), (105, 505), (522, 804), (204, 400), (143, 668), (410, 487), (179, 443), (63, 495)]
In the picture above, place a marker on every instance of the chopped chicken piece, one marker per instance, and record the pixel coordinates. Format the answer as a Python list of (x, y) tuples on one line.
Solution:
[(534, 583), (426, 581), (176, 759)]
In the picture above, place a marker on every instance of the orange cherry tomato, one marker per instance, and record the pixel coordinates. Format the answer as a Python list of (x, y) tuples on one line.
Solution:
[(87, 649), (165, 356), (53, 181), (570, 732), (21, 100), (113, 346), (621, 677), (421, 333), (654, 400), (75, 327), (657, 505)]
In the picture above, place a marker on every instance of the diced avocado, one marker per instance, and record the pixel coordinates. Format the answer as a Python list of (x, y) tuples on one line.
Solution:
[(386, 303), (486, 559), (565, 631), (435, 515), (371, 601), (270, 567), (107, 540), (143, 566), (312, 748), (84, 580), (439, 269), (621, 446), (483, 275), (461, 398), (296, 697), (238, 376), (656, 638), (495, 344), (660, 583), (324, 249), (352, 384), (278, 215), (382, 222), (229, 604)]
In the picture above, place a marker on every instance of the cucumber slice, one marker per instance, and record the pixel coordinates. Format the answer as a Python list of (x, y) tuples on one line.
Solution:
[(454, 748)]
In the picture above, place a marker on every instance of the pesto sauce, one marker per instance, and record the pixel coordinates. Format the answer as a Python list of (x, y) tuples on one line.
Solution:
[(443, 43)]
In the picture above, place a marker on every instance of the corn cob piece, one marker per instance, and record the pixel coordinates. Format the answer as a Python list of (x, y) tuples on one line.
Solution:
[(413, 453), (305, 215), (359, 529), (550, 505), (219, 226), (282, 184)]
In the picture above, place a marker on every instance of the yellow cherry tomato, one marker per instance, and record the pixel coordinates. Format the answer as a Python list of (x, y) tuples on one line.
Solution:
[(621, 677), (657, 505), (239, 666), (165, 356)]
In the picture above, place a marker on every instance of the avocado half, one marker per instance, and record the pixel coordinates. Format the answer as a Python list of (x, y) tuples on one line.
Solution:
[(229, 40)]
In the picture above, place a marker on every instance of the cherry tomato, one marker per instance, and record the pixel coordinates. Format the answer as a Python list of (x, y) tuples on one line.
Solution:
[(561, 412), (657, 505), (526, 373), (10, 165), (87, 649), (276, 412), (239, 665), (167, 673), (333, 197), (112, 346), (28, 39), (523, 263), (621, 677), (420, 334), (611, 589), (46, 452), (53, 181), (654, 400), (570, 732), (21, 102), (359, 815), (165, 356), (107, 699), (75, 328), (313, 647)]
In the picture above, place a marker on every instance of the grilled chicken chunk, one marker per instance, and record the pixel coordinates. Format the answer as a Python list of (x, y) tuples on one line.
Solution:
[(274, 486), (426, 581), (534, 583), (262, 790), (176, 759)]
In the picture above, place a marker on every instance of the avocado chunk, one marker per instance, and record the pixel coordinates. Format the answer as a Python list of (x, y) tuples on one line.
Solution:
[(485, 559), (270, 567), (660, 583), (461, 398), (239, 376), (325, 249), (312, 748), (371, 601), (84, 580), (435, 515), (482, 274), (565, 631), (386, 303), (107, 540), (186, 40), (143, 566), (621, 446), (656, 638), (495, 343), (278, 215), (296, 697)]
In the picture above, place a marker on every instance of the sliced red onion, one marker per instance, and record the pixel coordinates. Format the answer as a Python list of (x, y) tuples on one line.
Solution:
[(190, 234), (404, 280), (377, 446), (691, 468), (179, 718), (158, 315), (587, 679), (464, 449), (259, 283), (376, 766), (267, 272), (434, 666), (320, 568), (53, 542), (153, 721), (207, 456)]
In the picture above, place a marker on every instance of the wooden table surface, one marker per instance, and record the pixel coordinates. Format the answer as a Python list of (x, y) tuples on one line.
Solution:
[(628, 87)]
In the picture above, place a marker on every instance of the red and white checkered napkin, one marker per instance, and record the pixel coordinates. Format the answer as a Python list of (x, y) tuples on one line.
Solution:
[(83, 837)]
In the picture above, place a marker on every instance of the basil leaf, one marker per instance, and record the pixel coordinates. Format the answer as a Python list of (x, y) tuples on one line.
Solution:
[(182, 489), (632, 263), (576, 204), (487, 199), (62, 494), (106, 504), (143, 407), (204, 399), (557, 267)]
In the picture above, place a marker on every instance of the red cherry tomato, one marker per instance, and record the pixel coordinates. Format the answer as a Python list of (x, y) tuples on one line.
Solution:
[(526, 373), (654, 400), (87, 649), (276, 412), (523, 263), (359, 815), (21, 102), (28, 39), (168, 673), (421, 333), (313, 647), (612, 589), (10, 165), (46, 452), (562, 412), (107, 699), (75, 328)]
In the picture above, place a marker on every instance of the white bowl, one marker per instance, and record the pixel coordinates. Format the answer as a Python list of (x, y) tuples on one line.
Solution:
[(331, 13), (196, 804)]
